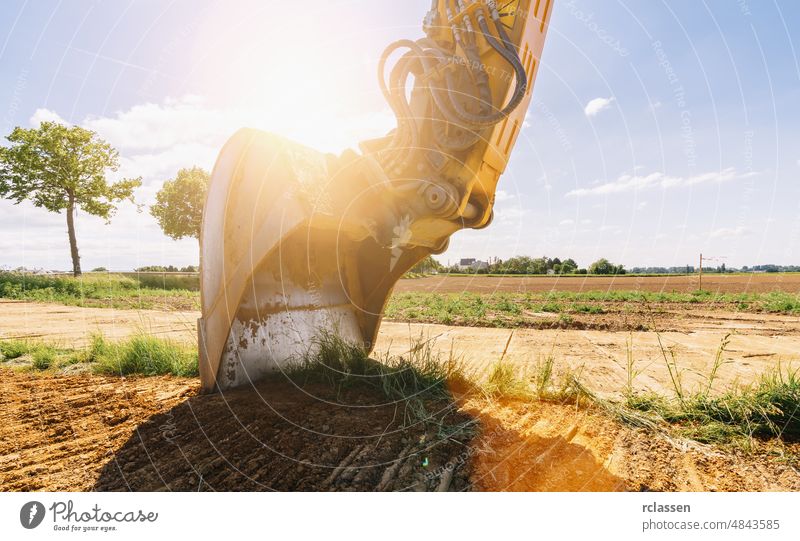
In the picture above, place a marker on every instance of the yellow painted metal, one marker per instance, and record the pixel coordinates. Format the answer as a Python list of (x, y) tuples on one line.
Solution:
[(294, 241)]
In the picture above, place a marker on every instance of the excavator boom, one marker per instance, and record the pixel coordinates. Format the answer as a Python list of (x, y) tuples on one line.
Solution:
[(295, 242)]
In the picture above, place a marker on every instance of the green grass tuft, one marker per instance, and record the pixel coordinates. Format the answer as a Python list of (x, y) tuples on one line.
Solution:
[(43, 357), (410, 379), (13, 349), (145, 355), (506, 381)]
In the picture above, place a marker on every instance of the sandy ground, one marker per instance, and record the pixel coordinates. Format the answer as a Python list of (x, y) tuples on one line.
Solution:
[(759, 343), (86, 432)]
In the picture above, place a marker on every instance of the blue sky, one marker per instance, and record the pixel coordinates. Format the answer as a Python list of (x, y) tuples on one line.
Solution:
[(658, 129)]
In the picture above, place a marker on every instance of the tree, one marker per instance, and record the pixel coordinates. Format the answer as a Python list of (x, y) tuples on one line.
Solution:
[(427, 266), (179, 204), (568, 266), (63, 168), (538, 266), (604, 266), (515, 265)]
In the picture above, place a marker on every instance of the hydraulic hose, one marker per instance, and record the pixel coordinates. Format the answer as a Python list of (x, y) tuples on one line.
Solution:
[(521, 87), (426, 56)]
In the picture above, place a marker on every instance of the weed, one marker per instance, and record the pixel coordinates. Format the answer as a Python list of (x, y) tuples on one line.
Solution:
[(144, 355), (43, 357), (552, 307), (504, 381), (565, 320), (13, 349), (410, 379), (765, 409), (630, 366), (543, 377)]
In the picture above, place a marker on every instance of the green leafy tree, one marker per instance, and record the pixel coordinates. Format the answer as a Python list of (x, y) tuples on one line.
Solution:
[(538, 266), (179, 204), (427, 266), (515, 265), (568, 266), (62, 168), (604, 266)]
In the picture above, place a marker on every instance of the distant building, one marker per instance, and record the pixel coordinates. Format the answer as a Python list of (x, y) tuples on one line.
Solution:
[(470, 263)]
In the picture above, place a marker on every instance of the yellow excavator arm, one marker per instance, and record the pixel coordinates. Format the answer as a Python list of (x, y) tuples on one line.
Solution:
[(295, 242)]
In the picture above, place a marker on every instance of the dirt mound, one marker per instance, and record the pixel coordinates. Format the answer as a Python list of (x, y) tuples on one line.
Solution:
[(545, 446)]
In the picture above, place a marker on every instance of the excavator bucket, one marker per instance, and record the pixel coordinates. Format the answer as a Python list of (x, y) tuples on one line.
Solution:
[(287, 250), (295, 242)]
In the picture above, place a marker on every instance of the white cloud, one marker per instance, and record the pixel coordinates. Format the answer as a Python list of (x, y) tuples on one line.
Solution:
[(544, 182), (566, 222), (502, 195), (511, 216), (157, 139), (154, 141), (45, 115), (730, 232), (597, 105), (629, 183), (151, 126)]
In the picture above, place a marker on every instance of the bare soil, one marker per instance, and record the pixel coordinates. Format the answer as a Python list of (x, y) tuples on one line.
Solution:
[(83, 432), (717, 283), (542, 446)]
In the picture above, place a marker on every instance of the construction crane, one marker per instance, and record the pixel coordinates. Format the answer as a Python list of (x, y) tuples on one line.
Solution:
[(295, 242)]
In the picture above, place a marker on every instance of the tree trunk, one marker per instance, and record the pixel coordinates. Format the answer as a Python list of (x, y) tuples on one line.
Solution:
[(73, 242)]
